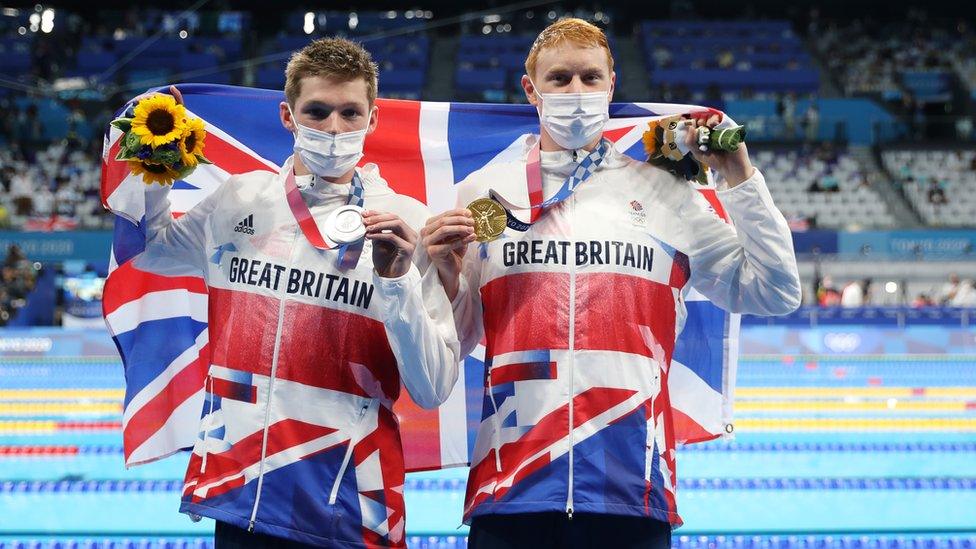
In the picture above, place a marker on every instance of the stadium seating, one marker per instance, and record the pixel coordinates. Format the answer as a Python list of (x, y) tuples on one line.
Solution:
[(954, 172), (794, 174), (754, 56)]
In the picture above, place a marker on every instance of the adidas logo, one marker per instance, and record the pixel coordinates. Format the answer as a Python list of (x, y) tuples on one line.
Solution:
[(246, 225)]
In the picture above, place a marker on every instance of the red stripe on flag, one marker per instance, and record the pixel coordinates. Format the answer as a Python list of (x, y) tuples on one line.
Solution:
[(230, 158), (688, 430), (395, 147), (611, 308), (526, 311), (615, 135), (153, 415), (128, 284)]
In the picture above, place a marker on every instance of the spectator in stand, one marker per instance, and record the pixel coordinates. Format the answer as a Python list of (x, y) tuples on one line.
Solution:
[(811, 122), (16, 282), (936, 194), (949, 289), (30, 132), (966, 296), (786, 109), (923, 300), (827, 294), (856, 294)]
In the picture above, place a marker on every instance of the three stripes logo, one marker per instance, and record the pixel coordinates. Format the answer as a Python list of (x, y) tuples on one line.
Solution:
[(246, 225)]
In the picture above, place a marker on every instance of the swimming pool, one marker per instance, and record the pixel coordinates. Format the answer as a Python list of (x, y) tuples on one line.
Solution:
[(856, 451)]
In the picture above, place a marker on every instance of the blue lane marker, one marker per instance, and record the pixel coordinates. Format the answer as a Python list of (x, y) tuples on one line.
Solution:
[(946, 447), (457, 484), (785, 541)]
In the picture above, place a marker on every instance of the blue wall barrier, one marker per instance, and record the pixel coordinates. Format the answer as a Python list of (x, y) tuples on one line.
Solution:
[(56, 342), (909, 244), (90, 246), (94, 246), (858, 118), (884, 316), (857, 340)]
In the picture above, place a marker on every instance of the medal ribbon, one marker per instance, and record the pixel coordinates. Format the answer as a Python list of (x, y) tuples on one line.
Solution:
[(348, 253), (533, 179)]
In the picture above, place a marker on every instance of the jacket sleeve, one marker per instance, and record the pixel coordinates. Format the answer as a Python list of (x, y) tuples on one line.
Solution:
[(750, 268), (177, 247), (420, 329), (467, 305)]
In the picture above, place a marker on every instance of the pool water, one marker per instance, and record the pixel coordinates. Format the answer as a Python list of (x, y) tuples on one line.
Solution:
[(868, 451)]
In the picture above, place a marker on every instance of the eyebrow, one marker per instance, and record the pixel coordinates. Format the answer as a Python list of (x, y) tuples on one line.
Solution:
[(314, 103), (565, 68)]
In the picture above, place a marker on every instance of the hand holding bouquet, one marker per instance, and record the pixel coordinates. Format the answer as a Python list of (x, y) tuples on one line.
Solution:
[(161, 142)]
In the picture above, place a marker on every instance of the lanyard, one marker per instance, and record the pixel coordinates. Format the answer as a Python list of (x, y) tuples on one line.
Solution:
[(348, 253), (533, 179)]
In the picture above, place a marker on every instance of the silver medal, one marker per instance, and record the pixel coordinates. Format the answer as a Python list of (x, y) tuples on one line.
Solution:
[(345, 225)]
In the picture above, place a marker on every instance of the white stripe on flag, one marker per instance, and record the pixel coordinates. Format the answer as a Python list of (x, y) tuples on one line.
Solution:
[(178, 432), (207, 177), (157, 306), (694, 398), (162, 380), (436, 153)]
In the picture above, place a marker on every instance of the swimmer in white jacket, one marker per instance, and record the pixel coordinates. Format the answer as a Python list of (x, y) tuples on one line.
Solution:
[(309, 340), (580, 303)]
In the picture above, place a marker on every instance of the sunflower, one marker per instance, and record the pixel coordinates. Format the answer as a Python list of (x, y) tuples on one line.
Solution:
[(651, 146), (153, 173), (158, 120), (191, 144)]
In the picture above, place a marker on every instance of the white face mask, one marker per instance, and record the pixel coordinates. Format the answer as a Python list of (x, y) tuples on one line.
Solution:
[(326, 154), (574, 119)]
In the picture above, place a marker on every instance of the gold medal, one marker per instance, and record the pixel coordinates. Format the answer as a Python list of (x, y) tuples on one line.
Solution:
[(490, 219)]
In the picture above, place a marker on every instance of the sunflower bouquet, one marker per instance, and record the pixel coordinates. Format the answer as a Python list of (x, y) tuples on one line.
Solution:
[(161, 143), (664, 143)]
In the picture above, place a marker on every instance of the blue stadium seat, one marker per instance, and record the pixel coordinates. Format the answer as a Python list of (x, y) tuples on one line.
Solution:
[(272, 78), (481, 79)]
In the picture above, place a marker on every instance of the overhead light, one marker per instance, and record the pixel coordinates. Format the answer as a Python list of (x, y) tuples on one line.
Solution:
[(891, 286), (11, 12), (486, 29), (492, 18), (309, 26), (184, 34)]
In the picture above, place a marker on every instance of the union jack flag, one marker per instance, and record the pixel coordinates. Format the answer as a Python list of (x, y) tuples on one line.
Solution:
[(423, 149)]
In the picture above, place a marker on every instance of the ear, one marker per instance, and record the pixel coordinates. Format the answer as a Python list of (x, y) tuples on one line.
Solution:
[(285, 116), (529, 90), (613, 84), (374, 119)]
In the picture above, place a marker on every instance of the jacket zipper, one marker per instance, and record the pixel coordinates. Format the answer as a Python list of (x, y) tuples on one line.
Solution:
[(334, 494), (572, 343), (267, 406)]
